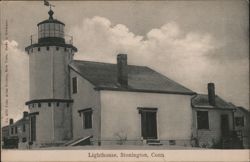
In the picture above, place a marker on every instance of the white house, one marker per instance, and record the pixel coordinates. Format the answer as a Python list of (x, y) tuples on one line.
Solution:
[(113, 101)]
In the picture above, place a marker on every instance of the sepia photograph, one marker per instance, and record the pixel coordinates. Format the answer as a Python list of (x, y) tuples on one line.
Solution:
[(125, 75)]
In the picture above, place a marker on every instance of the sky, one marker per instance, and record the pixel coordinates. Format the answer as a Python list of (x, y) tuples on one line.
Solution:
[(191, 42)]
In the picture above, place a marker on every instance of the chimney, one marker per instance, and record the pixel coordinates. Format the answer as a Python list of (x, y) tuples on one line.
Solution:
[(122, 70), (25, 114), (11, 121), (211, 93)]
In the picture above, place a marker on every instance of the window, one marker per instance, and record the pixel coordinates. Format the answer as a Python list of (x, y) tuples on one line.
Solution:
[(47, 48), (202, 120), (49, 104), (67, 105), (39, 104), (239, 121), (87, 119), (38, 48), (57, 104), (12, 130), (24, 128), (16, 130), (65, 49), (74, 85), (57, 48)]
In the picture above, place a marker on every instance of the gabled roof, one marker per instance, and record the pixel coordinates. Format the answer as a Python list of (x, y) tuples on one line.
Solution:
[(201, 101), (140, 78)]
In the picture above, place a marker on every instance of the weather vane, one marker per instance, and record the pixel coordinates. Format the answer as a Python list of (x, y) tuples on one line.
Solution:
[(46, 3)]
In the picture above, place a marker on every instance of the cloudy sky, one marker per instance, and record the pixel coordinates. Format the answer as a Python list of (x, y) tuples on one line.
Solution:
[(191, 42)]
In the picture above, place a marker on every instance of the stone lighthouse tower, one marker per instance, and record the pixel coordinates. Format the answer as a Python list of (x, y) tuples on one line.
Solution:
[(50, 103)]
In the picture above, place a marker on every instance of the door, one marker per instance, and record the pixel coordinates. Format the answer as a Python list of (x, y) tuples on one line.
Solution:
[(148, 125), (32, 128), (224, 125)]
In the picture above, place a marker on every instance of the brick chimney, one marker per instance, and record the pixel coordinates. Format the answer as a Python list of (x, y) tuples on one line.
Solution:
[(25, 114), (11, 121), (211, 93), (122, 70)]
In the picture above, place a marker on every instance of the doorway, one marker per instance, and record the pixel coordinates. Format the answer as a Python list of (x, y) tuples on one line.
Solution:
[(148, 124), (224, 125), (32, 128)]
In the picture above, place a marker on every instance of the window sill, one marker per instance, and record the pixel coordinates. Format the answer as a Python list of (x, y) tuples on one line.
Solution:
[(203, 129), (87, 128)]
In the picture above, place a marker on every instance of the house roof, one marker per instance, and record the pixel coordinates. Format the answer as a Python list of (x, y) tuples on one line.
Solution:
[(201, 101), (20, 121), (243, 109), (140, 78)]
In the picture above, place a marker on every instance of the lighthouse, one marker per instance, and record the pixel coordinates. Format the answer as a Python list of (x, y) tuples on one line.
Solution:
[(50, 52)]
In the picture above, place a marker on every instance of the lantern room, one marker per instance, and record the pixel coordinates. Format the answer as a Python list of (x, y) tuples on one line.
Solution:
[(51, 30)]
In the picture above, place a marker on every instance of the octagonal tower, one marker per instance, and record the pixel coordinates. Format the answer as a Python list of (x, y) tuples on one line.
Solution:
[(50, 52)]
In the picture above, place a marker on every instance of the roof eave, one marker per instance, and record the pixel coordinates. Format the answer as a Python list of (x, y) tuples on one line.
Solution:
[(143, 90), (213, 108)]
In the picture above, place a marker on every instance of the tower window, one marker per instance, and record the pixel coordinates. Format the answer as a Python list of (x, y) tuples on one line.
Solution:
[(39, 104), (33, 105), (12, 130), (74, 84), (47, 48), (38, 49), (67, 105), (24, 128), (57, 48), (65, 49), (49, 104), (31, 50), (15, 130), (57, 104)]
